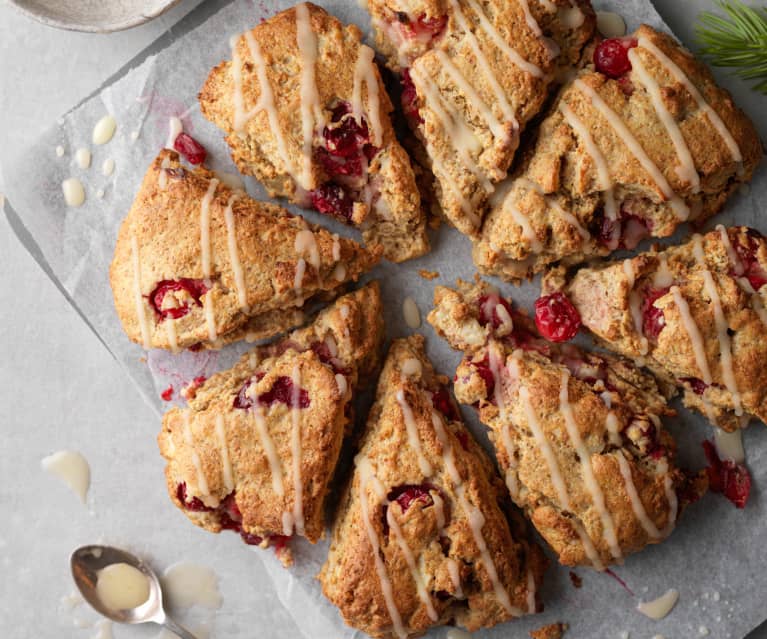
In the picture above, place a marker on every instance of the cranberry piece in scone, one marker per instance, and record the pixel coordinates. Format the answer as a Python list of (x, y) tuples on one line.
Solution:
[(556, 317)]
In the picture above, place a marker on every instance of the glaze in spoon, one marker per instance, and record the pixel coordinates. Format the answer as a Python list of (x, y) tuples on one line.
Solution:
[(121, 587)]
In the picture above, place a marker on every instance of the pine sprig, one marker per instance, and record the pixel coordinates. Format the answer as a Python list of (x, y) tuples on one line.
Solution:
[(737, 40)]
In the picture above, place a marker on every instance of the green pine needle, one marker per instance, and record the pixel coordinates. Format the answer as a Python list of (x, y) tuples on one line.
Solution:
[(737, 40)]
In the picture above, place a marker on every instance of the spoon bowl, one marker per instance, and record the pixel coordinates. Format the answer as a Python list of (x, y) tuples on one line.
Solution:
[(87, 561)]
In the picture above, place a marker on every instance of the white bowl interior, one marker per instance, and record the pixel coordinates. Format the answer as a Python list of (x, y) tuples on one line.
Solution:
[(94, 15)]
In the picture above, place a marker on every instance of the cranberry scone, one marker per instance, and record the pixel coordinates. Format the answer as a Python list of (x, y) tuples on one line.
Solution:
[(578, 435), (635, 145), (694, 314), (256, 448), (305, 111), (199, 264), (474, 73), (421, 538)]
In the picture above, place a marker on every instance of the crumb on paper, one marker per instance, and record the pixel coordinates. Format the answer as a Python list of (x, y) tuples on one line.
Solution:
[(551, 631), (428, 275), (577, 581), (167, 394)]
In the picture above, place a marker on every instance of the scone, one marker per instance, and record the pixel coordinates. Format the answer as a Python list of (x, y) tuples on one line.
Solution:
[(694, 314), (256, 448), (421, 537), (636, 144), (578, 435), (474, 73), (305, 112), (199, 264)]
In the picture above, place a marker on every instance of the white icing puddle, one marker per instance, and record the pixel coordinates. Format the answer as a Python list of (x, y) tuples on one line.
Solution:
[(660, 607), (83, 158), (71, 468), (186, 584), (610, 25), (104, 130), (411, 313), (122, 587), (74, 193)]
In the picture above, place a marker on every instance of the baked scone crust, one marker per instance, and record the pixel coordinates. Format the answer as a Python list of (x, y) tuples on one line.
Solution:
[(267, 137), (434, 452), (476, 83), (614, 300), (558, 208), (578, 435), (281, 261), (331, 359)]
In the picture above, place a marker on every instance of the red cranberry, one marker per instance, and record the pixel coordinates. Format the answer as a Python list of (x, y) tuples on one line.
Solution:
[(726, 477), (409, 98), (556, 317), (350, 166), (443, 403), (194, 503), (429, 28), (406, 495), (167, 393), (698, 385), (611, 57), (280, 392), (488, 310), (338, 112), (653, 321), (749, 264), (463, 438), (194, 289), (347, 138), (190, 148), (483, 370), (332, 199), (251, 539), (635, 229), (323, 351)]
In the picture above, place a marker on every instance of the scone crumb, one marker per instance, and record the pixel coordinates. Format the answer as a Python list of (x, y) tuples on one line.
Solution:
[(577, 581), (552, 631), (428, 275)]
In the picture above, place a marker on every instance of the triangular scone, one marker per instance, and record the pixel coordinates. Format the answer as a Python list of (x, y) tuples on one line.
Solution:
[(694, 314), (421, 538), (474, 73), (578, 435), (620, 158), (257, 447), (305, 111), (197, 263)]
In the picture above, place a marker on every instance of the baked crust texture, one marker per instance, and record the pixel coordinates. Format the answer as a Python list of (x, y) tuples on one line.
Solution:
[(421, 537), (578, 435), (294, 82), (196, 263), (618, 160), (233, 449), (693, 313)]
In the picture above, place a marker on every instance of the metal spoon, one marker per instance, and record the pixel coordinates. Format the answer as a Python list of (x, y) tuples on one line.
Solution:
[(86, 561)]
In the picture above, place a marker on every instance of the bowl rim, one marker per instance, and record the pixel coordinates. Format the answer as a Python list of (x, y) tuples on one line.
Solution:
[(109, 27)]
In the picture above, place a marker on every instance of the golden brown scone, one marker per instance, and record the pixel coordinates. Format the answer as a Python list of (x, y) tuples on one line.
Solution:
[(199, 264), (271, 427), (551, 631), (694, 314), (305, 111), (421, 538), (621, 156), (474, 73), (578, 435)]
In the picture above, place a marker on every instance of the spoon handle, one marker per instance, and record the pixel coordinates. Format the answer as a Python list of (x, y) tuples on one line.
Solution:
[(171, 625)]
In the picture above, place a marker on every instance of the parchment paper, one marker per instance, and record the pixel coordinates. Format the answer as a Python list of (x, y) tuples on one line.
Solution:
[(715, 557)]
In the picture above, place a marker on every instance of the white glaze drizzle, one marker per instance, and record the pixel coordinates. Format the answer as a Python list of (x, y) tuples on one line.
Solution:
[(688, 321), (550, 458), (226, 464), (202, 482), (704, 106), (336, 248), (730, 445), (455, 577), (310, 99), (636, 502), (306, 244), (512, 482), (514, 57), (613, 429), (524, 223), (603, 171), (275, 465), (412, 433), (589, 479), (720, 320), (205, 252), (530, 19), (295, 445), (364, 73), (686, 169), (551, 203), (531, 607), (663, 277), (660, 607), (170, 331), (366, 477), (137, 297), (635, 148), (474, 516), (234, 258), (635, 303)]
